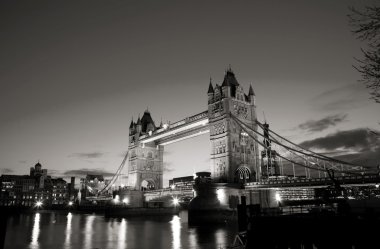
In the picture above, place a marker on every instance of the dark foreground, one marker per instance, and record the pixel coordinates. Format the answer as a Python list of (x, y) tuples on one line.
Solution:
[(313, 231)]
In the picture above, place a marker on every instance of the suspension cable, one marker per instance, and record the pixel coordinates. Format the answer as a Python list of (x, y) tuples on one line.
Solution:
[(318, 154), (266, 147), (115, 176)]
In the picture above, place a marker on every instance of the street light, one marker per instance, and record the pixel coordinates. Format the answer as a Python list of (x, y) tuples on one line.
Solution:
[(175, 201), (38, 204), (116, 199), (70, 203), (277, 197)]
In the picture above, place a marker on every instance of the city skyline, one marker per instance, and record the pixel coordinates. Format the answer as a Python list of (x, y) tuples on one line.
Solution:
[(72, 85)]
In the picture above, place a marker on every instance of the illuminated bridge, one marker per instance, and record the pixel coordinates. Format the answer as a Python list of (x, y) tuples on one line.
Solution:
[(244, 152)]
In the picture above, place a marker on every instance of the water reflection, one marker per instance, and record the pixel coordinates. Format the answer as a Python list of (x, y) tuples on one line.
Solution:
[(88, 231), (81, 231), (176, 232), (68, 230), (122, 239), (193, 239), (35, 232), (221, 238)]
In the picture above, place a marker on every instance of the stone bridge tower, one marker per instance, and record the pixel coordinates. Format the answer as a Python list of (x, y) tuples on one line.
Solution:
[(145, 164), (234, 155)]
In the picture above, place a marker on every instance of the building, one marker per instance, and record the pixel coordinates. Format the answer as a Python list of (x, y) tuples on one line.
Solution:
[(26, 190), (17, 190), (180, 182)]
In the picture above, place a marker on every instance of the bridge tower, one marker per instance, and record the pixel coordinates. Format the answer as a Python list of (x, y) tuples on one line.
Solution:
[(234, 155), (145, 164)]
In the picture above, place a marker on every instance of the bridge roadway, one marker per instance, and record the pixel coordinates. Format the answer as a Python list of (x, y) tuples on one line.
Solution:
[(178, 192), (360, 180), (173, 132)]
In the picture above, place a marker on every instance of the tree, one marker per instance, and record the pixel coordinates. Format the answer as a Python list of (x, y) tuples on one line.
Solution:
[(366, 27)]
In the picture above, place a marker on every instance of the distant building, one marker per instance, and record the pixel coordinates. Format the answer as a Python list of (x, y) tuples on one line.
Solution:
[(185, 181), (26, 190), (17, 190), (37, 170), (91, 185)]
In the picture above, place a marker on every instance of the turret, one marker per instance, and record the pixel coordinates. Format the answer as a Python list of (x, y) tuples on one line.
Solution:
[(147, 123), (132, 128), (229, 84), (210, 93), (138, 125), (251, 95)]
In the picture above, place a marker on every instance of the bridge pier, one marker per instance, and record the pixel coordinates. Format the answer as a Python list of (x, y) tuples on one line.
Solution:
[(217, 202)]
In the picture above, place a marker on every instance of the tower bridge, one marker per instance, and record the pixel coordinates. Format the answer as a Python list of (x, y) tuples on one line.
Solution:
[(230, 162), (243, 152)]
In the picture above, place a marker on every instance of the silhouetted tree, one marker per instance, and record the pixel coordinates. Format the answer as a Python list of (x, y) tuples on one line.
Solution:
[(366, 27)]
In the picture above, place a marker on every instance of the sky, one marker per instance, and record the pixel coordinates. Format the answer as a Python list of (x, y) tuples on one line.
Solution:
[(74, 73)]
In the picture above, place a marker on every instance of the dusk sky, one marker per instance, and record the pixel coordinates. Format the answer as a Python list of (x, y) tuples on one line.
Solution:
[(74, 73)]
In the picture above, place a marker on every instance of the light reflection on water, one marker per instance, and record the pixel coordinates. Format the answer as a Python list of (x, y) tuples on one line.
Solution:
[(122, 240), (176, 232), (74, 231), (88, 231), (35, 232), (68, 230)]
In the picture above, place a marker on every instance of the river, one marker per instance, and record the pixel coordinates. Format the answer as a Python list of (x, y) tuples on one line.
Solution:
[(90, 231)]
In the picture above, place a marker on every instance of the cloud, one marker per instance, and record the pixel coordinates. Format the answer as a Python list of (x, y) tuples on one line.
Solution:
[(348, 97), (356, 139), (85, 171), (89, 155), (323, 124), (6, 171), (358, 146)]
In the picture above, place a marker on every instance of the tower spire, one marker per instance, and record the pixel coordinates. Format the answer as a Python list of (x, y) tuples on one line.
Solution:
[(210, 87), (251, 92)]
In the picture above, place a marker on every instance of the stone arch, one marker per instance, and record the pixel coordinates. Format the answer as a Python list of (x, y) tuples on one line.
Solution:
[(243, 174), (148, 184)]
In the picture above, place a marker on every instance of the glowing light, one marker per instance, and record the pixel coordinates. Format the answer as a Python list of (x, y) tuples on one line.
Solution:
[(175, 201), (172, 186), (125, 200), (116, 199), (221, 195), (70, 203), (165, 126), (122, 185), (277, 197), (38, 203), (377, 185)]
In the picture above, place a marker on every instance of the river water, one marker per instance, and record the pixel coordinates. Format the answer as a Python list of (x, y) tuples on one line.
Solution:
[(90, 231)]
